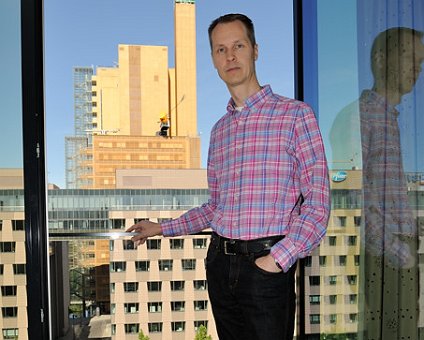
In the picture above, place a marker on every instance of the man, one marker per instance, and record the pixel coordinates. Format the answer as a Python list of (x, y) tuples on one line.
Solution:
[(266, 156)]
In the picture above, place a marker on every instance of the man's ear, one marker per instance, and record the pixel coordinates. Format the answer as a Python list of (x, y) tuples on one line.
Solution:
[(256, 51)]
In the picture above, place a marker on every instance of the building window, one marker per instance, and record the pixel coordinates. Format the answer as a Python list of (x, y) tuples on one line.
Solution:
[(177, 285), (178, 326), (342, 260), (351, 279), (357, 221), (199, 243), (353, 298), (351, 240), (130, 287), (112, 287), (308, 261), (113, 330), (142, 266), (2, 268), (314, 319), (155, 327), (200, 284), (314, 299), (116, 267), (128, 245), (353, 317), (131, 308), (165, 265), (112, 308), (10, 333), (153, 244), (154, 286), (201, 305), (340, 221), (9, 312), (333, 299), (177, 306), (188, 264), (314, 280), (176, 243), (199, 323), (356, 259), (333, 318), (333, 279), (118, 223), (332, 240), (8, 290), (1, 225), (155, 307), (132, 328), (323, 261), (18, 225), (19, 269), (7, 247)]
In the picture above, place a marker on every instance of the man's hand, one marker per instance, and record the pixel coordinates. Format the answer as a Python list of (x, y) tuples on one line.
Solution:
[(267, 263), (145, 229)]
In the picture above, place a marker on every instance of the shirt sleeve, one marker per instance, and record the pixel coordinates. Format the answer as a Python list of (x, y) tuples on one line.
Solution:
[(308, 223), (199, 218)]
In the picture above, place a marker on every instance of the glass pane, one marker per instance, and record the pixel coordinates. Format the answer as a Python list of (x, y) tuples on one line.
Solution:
[(13, 299), (130, 104), (369, 97)]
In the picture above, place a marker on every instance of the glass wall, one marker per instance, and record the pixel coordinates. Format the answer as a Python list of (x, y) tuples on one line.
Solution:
[(362, 74)]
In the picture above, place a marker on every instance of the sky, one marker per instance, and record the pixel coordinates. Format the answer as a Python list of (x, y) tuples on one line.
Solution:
[(87, 33)]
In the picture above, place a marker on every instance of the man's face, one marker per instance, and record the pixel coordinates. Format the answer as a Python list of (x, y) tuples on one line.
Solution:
[(233, 54)]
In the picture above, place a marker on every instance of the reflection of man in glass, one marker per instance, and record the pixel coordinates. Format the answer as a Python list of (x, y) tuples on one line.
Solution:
[(390, 237)]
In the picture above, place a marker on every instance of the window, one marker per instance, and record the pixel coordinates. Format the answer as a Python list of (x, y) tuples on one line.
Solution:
[(142, 266), (10, 333), (353, 298), (113, 329), (153, 244), (155, 307), (357, 221), (314, 280), (342, 260), (130, 287), (314, 299), (177, 285), (8, 290), (308, 261), (200, 284), (333, 279), (2, 268), (199, 243), (351, 279), (118, 223), (199, 323), (340, 221), (178, 326), (332, 240), (116, 267), (177, 306), (1, 225), (333, 318), (154, 286), (323, 261), (333, 299), (9, 312), (201, 305), (132, 328), (188, 264), (165, 265), (18, 225), (357, 259), (112, 308), (176, 243), (19, 269), (128, 245), (7, 247), (351, 240), (131, 308), (155, 327), (353, 317), (314, 319)]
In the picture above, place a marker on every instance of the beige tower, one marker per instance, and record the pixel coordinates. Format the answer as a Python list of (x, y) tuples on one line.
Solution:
[(185, 69)]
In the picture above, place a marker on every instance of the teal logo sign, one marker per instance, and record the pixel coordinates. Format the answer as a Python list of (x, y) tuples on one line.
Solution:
[(339, 176)]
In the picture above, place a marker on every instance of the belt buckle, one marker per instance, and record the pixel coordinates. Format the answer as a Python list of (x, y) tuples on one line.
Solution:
[(228, 250)]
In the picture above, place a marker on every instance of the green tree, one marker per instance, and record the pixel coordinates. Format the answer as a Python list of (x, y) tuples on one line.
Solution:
[(202, 334), (141, 336)]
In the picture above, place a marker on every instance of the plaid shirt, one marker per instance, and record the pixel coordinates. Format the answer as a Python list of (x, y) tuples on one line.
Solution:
[(261, 159)]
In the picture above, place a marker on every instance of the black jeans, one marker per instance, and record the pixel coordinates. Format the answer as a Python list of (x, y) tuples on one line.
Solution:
[(248, 302)]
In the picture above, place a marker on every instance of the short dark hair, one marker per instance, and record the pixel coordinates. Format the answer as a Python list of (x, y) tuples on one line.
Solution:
[(231, 18)]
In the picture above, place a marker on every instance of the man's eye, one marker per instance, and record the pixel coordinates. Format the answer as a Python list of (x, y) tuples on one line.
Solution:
[(221, 50), (238, 46)]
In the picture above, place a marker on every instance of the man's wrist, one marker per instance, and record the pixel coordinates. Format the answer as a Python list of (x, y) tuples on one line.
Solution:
[(278, 264)]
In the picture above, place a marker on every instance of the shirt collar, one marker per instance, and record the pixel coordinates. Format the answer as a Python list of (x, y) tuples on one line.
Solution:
[(372, 97), (254, 100)]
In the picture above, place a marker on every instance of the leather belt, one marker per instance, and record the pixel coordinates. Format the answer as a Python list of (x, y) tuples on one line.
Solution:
[(241, 247)]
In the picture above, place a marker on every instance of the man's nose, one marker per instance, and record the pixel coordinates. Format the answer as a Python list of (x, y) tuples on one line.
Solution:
[(230, 55)]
